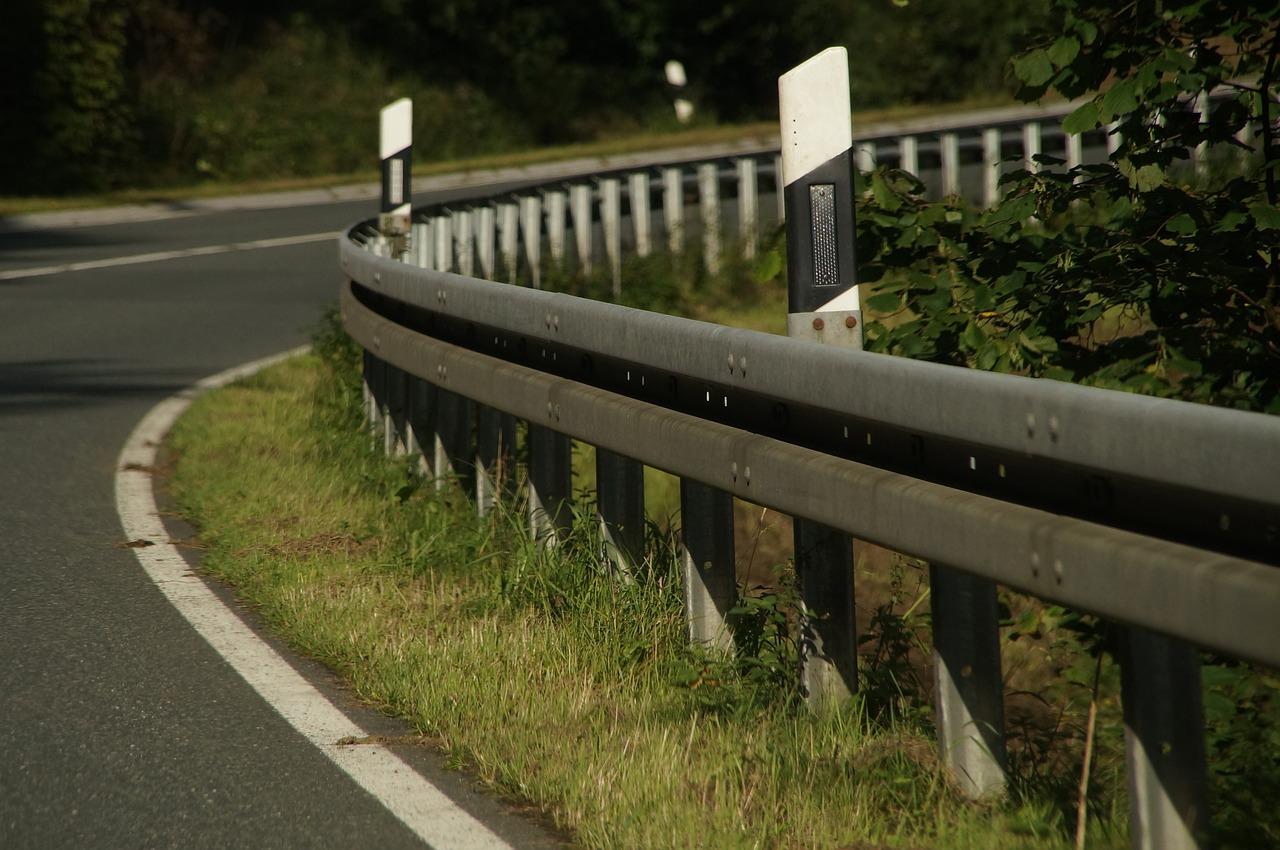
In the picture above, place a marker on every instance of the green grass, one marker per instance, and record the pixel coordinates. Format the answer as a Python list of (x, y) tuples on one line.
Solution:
[(535, 670), (602, 148)]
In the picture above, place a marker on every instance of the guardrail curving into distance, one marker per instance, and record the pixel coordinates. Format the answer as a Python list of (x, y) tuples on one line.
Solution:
[(1161, 516)]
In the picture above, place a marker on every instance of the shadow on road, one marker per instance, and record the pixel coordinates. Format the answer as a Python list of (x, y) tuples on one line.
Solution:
[(40, 385)]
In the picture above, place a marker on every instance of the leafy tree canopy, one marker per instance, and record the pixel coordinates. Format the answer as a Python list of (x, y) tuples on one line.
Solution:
[(1146, 272)]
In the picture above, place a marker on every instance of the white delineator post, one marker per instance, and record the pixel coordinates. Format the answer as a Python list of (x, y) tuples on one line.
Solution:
[(822, 306), (677, 80), (395, 148)]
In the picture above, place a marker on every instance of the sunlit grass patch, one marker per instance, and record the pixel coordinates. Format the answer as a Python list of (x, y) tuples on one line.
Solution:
[(534, 668)]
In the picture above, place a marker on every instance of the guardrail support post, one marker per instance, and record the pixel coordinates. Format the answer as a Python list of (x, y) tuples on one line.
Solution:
[(823, 306), (620, 505), (453, 452), (611, 221), (531, 227), (442, 225), (372, 391), (508, 224), (557, 227), (420, 243), (1114, 138), (495, 457), (1031, 145), (485, 226), (1074, 150), (395, 440), (909, 154), (1164, 740), (707, 563), (748, 206), (638, 193), (420, 435), (550, 483), (673, 208), (709, 199), (866, 156), (991, 166), (463, 240), (968, 688), (949, 148), (583, 228)]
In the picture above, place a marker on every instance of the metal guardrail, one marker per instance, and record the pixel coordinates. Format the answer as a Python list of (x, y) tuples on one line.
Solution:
[(1163, 516)]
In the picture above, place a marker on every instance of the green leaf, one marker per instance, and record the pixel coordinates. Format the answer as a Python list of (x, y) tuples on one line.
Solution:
[(1143, 179), (885, 302), (768, 266), (884, 194), (1088, 31), (1082, 119), (1034, 68), (1120, 99), (973, 337), (1230, 221), (1064, 51), (1183, 225), (1265, 216)]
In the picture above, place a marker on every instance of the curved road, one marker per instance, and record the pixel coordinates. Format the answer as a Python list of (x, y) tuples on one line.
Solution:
[(119, 725)]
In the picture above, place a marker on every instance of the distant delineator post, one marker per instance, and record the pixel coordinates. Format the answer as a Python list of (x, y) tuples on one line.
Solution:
[(395, 150)]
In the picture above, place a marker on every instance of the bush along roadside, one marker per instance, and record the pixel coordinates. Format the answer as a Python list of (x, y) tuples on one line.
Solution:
[(544, 675)]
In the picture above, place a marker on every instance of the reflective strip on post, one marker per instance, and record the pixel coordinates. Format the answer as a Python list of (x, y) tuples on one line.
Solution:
[(395, 151)]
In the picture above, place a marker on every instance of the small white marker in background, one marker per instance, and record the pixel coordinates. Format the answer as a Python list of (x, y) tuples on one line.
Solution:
[(677, 79)]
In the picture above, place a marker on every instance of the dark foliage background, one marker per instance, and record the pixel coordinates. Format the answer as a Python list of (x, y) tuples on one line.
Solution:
[(99, 94)]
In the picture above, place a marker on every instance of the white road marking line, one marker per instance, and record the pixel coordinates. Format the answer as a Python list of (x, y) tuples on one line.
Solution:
[(158, 256), (417, 803)]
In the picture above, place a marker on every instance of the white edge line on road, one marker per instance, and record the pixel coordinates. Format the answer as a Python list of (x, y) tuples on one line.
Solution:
[(157, 256), (417, 803)]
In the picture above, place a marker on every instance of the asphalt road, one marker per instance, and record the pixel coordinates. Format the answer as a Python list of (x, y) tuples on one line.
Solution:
[(119, 725)]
